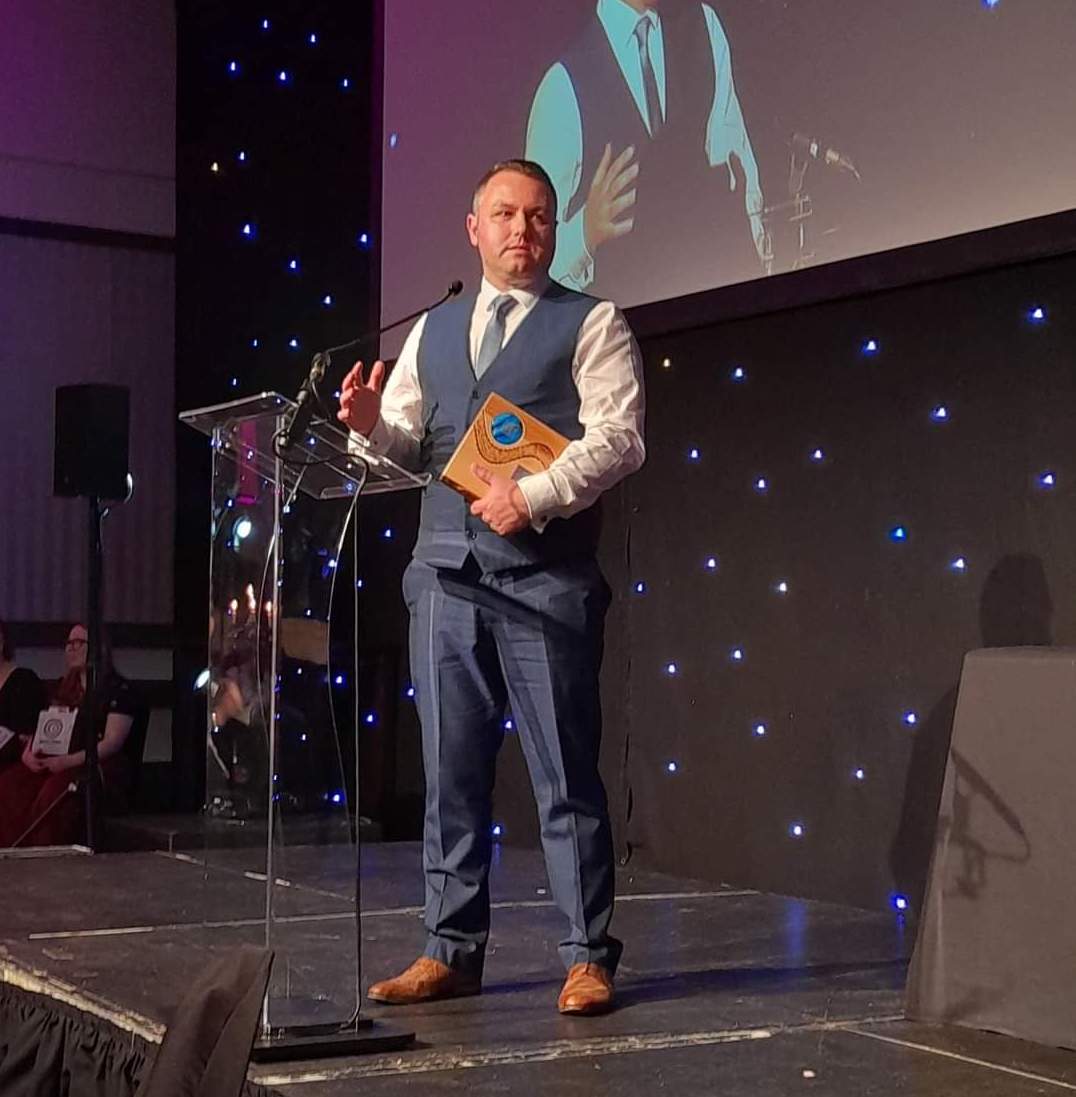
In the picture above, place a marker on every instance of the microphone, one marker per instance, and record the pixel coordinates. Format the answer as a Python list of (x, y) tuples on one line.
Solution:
[(308, 391), (817, 150)]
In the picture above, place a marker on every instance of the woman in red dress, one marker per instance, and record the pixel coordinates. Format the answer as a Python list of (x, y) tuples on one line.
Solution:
[(38, 806)]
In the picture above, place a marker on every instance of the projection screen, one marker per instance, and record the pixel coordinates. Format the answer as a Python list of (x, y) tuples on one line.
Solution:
[(745, 137)]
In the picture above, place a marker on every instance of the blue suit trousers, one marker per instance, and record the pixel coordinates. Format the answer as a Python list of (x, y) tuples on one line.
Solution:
[(529, 640)]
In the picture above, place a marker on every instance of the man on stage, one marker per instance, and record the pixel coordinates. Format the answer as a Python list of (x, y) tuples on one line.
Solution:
[(506, 599)]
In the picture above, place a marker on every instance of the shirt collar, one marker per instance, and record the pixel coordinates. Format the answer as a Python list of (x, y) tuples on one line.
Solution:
[(526, 297), (620, 20)]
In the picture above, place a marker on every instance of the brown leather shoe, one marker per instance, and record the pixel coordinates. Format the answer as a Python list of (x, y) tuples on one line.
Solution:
[(587, 990), (426, 980)]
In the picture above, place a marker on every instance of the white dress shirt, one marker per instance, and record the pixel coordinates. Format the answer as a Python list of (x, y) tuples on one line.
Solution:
[(555, 129), (608, 374)]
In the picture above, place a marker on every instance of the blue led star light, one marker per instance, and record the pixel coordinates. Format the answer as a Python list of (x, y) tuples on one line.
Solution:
[(345, 83), (410, 692), (711, 563), (327, 300), (265, 24), (870, 346), (394, 140), (817, 455), (671, 669), (370, 718), (293, 343), (233, 68), (939, 414), (959, 564), (1047, 480), (386, 533), (781, 586), (293, 265), (241, 156), (339, 680), (639, 587), (283, 77), (509, 725), (497, 830), (797, 830), (759, 731), (761, 485), (911, 719), (693, 454), (312, 39), (671, 767), (738, 374), (249, 230), (859, 773), (737, 655), (1037, 315), (365, 241), (900, 902), (898, 534)]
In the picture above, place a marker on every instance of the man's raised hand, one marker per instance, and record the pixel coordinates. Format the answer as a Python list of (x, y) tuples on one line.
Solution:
[(360, 401), (610, 203)]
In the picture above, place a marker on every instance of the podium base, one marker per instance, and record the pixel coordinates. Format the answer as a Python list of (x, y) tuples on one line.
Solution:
[(363, 1037)]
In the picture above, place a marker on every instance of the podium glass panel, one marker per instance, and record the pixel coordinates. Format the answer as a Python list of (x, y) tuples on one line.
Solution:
[(281, 851)]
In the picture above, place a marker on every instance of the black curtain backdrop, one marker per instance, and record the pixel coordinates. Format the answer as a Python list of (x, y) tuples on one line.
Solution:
[(870, 629)]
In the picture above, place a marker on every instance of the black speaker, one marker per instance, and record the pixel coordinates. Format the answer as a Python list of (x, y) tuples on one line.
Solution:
[(91, 450)]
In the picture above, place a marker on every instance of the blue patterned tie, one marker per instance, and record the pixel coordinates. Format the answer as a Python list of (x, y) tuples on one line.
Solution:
[(493, 338)]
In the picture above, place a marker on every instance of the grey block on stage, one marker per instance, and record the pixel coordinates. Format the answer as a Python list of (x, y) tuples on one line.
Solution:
[(997, 940)]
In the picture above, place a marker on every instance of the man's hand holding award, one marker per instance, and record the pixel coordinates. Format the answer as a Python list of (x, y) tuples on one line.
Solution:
[(502, 446)]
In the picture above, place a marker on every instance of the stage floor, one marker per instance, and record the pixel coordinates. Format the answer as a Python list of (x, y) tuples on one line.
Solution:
[(720, 991)]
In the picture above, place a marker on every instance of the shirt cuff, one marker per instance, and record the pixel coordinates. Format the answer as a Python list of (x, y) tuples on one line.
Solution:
[(540, 496), (573, 240), (378, 440)]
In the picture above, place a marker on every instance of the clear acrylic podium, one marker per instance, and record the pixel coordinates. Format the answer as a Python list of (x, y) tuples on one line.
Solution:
[(281, 812)]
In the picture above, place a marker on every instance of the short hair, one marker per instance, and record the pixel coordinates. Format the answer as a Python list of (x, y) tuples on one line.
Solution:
[(7, 645), (529, 168)]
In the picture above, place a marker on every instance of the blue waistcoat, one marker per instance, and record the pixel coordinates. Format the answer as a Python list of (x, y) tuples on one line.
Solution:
[(534, 370)]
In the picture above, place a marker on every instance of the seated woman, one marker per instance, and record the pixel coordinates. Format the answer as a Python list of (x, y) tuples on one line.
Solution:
[(22, 697), (37, 807)]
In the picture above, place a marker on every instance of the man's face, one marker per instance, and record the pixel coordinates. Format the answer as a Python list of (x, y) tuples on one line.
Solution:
[(513, 230)]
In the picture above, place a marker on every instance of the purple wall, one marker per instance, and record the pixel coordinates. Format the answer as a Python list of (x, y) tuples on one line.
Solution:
[(87, 133), (87, 139)]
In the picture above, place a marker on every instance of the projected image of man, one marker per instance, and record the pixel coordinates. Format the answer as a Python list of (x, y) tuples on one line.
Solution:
[(640, 128)]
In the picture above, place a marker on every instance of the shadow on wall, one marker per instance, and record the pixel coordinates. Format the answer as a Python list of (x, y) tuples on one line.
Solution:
[(1015, 610)]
